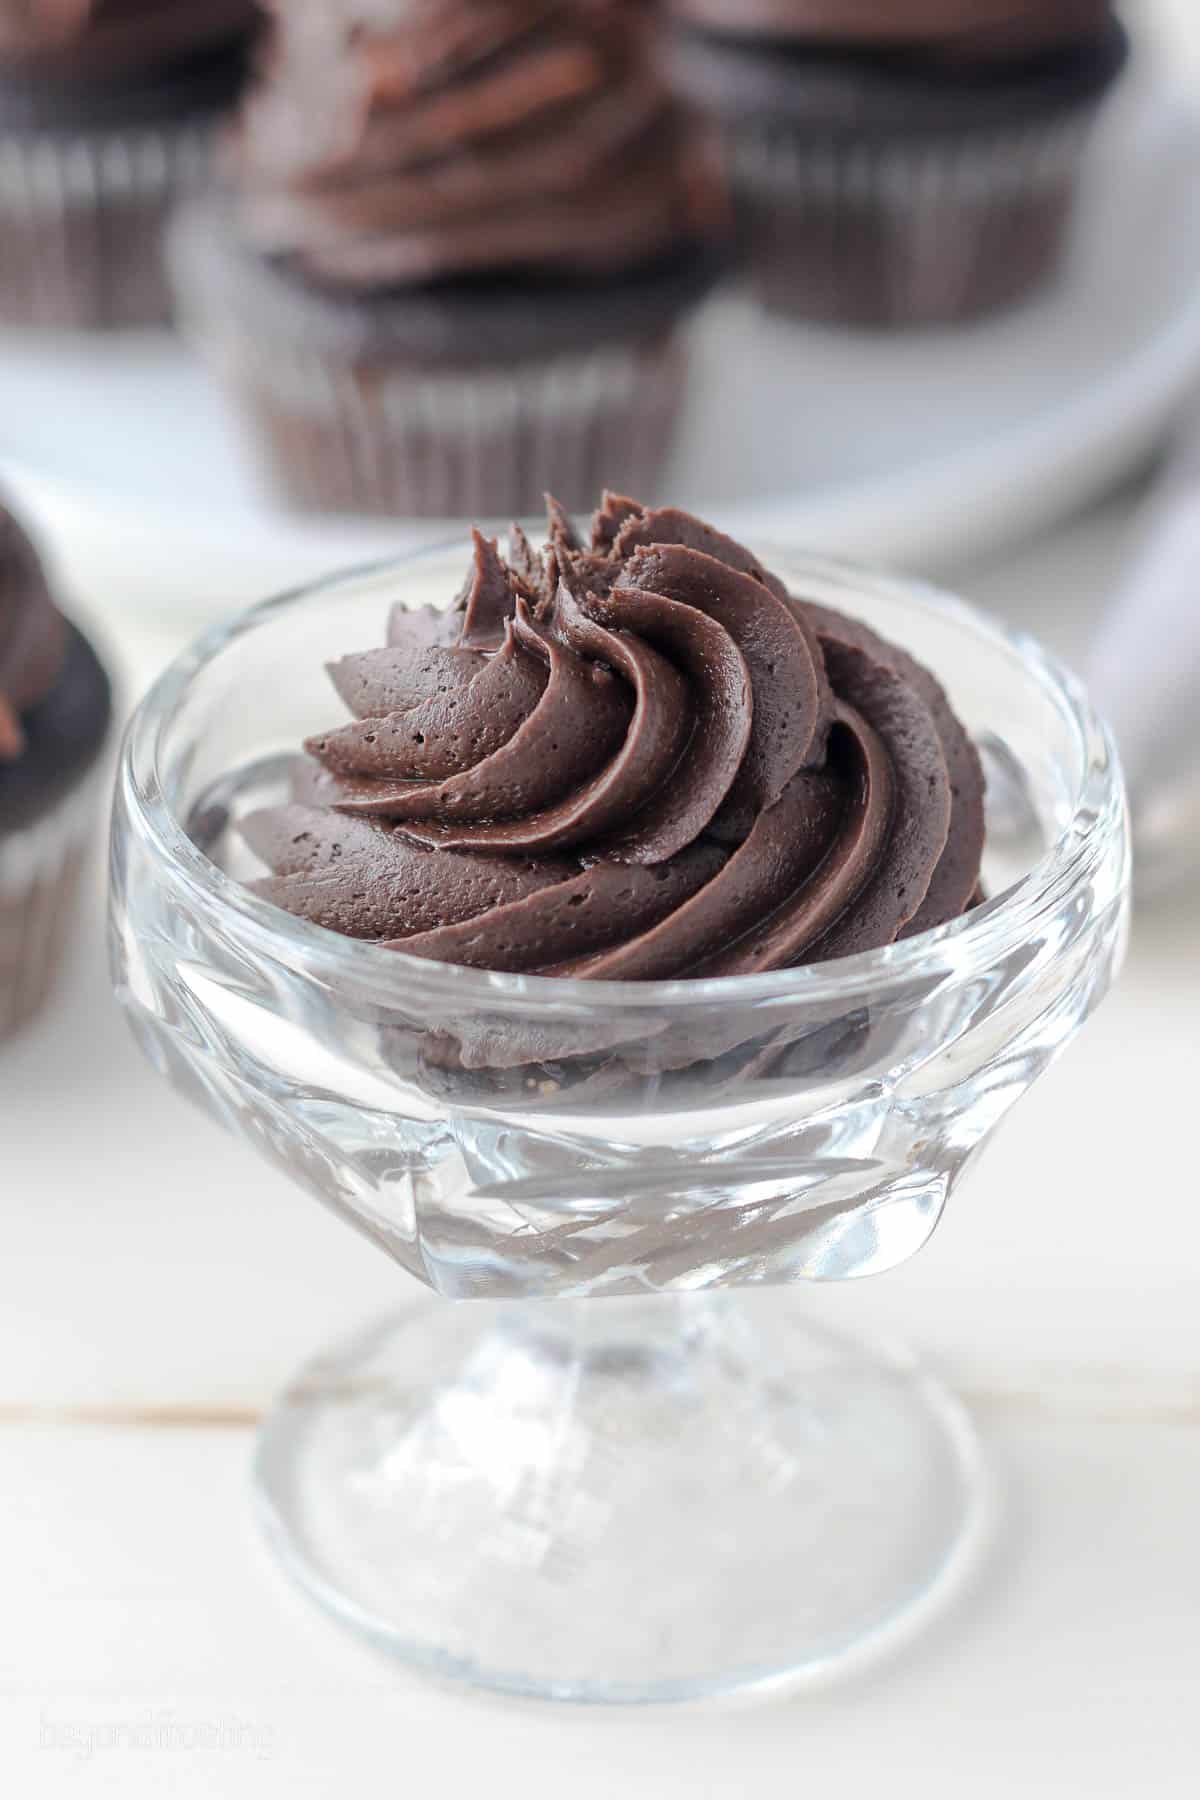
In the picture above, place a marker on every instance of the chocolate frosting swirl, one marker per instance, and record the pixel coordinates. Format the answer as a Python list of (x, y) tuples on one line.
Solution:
[(109, 38), (394, 142), (635, 757), (33, 635)]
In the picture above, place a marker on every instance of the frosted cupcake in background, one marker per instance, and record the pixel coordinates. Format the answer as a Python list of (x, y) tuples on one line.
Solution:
[(55, 709), (900, 162), (107, 115), (457, 248)]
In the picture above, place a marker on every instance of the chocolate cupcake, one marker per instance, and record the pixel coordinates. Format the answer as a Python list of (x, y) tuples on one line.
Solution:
[(903, 164), (107, 116), (636, 757), (55, 707), (457, 246)]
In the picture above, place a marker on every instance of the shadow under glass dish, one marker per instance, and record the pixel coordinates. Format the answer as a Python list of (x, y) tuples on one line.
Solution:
[(690, 1489)]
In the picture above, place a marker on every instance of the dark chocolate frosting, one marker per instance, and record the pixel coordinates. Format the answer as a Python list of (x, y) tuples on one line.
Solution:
[(33, 636), (395, 142), (55, 701), (635, 757), (109, 39), (863, 89), (967, 28)]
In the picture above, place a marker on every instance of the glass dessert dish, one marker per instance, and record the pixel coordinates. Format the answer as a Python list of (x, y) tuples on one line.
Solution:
[(688, 1489)]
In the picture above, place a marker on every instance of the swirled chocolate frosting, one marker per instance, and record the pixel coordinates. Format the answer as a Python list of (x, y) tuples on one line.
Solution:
[(632, 757), (107, 38), (33, 636), (954, 28), (394, 142)]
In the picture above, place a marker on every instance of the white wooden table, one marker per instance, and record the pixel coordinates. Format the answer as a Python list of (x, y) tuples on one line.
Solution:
[(157, 1283)]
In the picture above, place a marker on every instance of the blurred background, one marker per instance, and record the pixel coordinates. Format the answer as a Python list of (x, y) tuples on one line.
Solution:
[(273, 301), (918, 313)]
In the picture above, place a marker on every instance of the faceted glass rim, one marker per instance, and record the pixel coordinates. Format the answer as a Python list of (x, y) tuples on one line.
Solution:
[(965, 947)]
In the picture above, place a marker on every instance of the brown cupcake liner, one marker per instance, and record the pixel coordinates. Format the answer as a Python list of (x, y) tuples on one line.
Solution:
[(39, 881), (893, 233), (82, 222), (402, 438)]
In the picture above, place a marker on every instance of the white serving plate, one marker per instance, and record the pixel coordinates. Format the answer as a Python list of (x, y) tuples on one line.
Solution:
[(907, 448)]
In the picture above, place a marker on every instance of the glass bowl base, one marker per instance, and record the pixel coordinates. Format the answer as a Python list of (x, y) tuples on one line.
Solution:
[(658, 1499)]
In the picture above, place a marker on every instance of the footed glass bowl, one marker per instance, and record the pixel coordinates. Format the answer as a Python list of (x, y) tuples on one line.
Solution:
[(687, 1489)]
